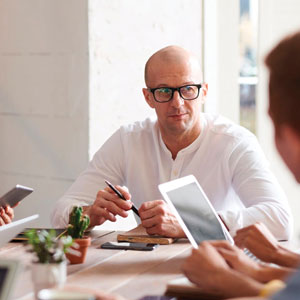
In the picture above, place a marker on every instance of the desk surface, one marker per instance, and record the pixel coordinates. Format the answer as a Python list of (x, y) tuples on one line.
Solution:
[(132, 274)]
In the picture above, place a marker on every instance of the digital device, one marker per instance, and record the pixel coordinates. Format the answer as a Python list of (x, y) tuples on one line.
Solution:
[(21, 237), (9, 231), (15, 195), (8, 272), (193, 210), (129, 246), (59, 294)]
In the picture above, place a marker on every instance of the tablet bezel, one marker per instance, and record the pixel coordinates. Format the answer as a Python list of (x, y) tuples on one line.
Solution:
[(12, 267), (9, 231), (166, 187)]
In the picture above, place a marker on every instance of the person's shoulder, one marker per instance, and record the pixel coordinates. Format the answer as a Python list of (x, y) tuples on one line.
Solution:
[(222, 126), (138, 127)]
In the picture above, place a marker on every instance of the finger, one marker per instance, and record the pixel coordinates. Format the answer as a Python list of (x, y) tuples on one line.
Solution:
[(156, 229), (9, 211), (124, 192), (100, 212), (122, 204), (107, 216), (1, 222), (227, 254), (221, 244), (155, 220), (104, 196), (151, 204), (239, 241), (160, 209), (113, 207), (6, 218)]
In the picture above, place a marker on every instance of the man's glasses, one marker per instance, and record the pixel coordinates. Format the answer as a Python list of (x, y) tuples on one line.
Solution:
[(186, 92)]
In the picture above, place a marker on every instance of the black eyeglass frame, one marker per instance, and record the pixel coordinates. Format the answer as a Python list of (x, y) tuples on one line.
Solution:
[(173, 90)]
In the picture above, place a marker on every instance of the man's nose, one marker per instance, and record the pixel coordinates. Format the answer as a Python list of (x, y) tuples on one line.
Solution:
[(177, 101)]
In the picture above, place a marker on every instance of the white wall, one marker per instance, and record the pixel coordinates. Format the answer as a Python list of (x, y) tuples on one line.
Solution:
[(122, 36), (221, 57), (43, 99), (277, 18)]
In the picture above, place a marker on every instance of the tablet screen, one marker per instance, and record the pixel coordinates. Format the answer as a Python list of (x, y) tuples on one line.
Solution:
[(196, 213), (3, 272)]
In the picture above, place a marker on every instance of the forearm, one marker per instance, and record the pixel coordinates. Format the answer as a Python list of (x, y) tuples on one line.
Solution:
[(61, 212), (239, 286), (267, 273), (285, 257)]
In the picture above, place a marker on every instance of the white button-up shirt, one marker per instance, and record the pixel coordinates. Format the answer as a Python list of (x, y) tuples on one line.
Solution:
[(226, 159)]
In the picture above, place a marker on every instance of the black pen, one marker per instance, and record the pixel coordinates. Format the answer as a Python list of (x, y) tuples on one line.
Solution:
[(135, 210)]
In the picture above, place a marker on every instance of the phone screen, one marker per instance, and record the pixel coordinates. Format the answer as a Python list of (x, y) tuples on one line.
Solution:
[(129, 246)]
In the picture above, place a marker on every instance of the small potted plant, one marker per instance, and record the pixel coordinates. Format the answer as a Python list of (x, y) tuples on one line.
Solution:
[(78, 223), (49, 268)]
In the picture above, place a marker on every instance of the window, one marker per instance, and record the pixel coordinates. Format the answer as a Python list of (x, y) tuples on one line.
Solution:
[(248, 79)]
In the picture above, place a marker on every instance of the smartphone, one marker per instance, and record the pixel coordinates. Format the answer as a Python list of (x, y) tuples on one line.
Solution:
[(129, 246), (15, 195)]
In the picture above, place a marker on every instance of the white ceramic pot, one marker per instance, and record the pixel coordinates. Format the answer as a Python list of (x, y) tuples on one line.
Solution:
[(48, 275)]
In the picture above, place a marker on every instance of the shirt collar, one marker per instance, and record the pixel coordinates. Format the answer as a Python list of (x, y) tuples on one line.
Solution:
[(190, 148)]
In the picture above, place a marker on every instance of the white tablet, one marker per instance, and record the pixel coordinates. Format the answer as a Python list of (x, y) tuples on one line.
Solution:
[(8, 272), (9, 231), (194, 211)]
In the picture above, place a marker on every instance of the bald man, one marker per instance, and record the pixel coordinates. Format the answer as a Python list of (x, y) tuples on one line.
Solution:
[(224, 157)]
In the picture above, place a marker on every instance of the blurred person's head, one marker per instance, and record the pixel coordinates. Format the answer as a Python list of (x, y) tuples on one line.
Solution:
[(175, 67), (284, 99)]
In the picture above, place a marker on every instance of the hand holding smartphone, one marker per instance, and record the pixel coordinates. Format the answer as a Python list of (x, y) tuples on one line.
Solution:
[(129, 246), (15, 195)]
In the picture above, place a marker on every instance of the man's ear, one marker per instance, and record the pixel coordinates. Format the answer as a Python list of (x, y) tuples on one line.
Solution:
[(203, 91), (148, 97)]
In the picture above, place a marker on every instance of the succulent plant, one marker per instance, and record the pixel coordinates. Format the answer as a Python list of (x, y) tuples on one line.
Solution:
[(47, 247), (78, 223)]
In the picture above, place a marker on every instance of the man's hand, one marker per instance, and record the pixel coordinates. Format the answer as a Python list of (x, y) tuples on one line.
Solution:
[(107, 205), (260, 241), (209, 270), (205, 266), (157, 218), (6, 215), (238, 260)]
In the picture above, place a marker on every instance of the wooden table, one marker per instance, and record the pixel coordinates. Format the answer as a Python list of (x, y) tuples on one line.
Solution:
[(132, 274)]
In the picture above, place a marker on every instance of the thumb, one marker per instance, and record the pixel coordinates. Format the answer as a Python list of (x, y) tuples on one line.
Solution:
[(228, 255)]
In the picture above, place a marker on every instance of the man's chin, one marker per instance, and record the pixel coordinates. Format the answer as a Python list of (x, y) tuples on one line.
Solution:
[(178, 127)]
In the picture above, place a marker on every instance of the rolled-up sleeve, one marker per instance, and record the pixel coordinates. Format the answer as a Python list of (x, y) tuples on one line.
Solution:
[(107, 164), (259, 191)]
